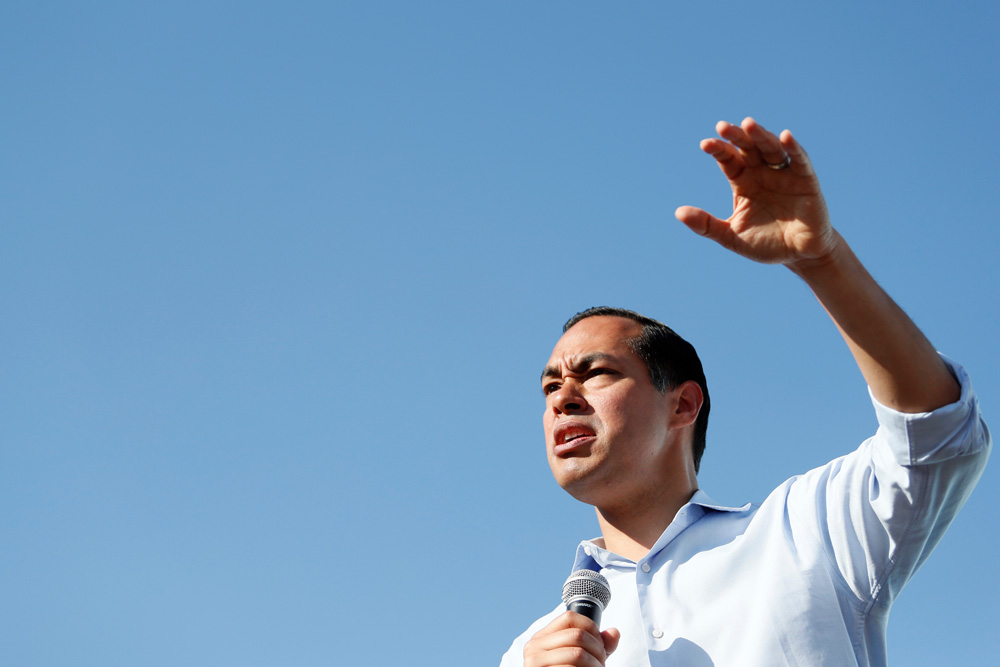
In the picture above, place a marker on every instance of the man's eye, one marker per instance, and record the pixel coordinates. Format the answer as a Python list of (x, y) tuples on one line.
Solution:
[(549, 388)]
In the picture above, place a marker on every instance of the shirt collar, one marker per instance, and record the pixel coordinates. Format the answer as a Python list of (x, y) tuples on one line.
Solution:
[(701, 498), (591, 554)]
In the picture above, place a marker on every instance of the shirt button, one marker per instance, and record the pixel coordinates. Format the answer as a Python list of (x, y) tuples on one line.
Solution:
[(657, 633), (645, 567)]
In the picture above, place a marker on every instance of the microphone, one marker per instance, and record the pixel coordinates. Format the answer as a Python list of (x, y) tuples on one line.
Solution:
[(587, 592)]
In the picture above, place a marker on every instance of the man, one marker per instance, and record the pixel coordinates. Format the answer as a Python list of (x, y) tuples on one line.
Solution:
[(806, 577)]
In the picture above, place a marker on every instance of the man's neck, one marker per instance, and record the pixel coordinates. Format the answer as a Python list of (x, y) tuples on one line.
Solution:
[(631, 533)]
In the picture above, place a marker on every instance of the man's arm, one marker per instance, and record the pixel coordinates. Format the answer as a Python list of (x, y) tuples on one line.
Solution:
[(779, 217)]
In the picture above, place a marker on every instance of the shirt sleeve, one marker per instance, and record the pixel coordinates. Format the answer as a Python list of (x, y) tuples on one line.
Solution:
[(880, 511)]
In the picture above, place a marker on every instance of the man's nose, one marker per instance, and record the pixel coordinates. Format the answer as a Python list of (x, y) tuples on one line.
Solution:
[(568, 399)]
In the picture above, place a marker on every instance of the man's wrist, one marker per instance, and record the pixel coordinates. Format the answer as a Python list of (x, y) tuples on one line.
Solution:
[(832, 265)]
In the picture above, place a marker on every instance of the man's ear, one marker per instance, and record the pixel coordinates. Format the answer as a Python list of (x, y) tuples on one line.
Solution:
[(687, 404)]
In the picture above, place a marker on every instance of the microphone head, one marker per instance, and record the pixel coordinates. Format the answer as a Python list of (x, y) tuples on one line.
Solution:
[(588, 585)]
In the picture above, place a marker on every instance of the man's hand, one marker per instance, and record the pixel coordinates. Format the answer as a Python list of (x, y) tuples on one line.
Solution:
[(570, 640), (779, 216)]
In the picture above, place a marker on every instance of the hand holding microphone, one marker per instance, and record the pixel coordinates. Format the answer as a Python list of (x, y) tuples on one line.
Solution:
[(575, 638)]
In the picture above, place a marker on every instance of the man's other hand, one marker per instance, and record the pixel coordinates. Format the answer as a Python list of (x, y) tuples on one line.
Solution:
[(571, 640)]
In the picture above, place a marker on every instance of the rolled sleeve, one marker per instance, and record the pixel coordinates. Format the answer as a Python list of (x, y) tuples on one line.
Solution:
[(879, 511), (925, 438)]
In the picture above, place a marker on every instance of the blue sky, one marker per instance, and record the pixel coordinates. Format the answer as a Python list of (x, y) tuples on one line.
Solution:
[(277, 281)]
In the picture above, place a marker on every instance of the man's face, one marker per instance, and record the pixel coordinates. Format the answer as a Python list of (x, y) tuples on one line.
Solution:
[(607, 428)]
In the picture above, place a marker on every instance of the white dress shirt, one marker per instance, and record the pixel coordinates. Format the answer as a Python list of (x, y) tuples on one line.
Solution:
[(807, 577)]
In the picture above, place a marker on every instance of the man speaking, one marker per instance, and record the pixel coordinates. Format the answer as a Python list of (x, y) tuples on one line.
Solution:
[(808, 576)]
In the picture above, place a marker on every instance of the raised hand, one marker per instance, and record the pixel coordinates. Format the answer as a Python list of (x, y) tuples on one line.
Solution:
[(779, 216)]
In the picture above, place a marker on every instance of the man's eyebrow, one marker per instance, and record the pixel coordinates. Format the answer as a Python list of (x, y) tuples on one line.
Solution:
[(579, 366), (550, 372)]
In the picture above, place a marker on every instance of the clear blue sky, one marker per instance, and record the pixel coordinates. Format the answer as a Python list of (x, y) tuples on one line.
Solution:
[(277, 281)]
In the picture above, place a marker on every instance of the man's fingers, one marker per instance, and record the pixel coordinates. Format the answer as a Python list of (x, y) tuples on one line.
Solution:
[(571, 639), (769, 146), (611, 636), (731, 160), (735, 135), (569, 619), (563, 655), (801, 164)]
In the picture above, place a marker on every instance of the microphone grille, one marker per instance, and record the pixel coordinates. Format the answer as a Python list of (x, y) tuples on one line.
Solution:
[(587, 583)]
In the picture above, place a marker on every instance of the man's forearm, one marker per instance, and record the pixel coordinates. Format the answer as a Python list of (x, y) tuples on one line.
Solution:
[(900, 365)]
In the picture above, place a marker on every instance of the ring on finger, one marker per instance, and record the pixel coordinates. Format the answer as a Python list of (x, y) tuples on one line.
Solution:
[(784, 164)]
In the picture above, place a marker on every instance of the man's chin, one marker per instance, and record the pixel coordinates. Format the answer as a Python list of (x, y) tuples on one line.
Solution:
[(580, 482)]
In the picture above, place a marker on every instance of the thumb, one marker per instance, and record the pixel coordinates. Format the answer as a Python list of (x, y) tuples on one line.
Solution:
[(610, 637), (702, 222)]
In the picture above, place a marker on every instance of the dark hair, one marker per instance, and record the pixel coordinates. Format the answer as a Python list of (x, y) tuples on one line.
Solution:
[(670, 359)]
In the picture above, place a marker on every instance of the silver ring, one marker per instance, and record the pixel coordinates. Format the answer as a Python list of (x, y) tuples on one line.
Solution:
[(784, 164)]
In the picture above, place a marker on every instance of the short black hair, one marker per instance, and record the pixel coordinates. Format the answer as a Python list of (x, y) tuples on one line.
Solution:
[(669, 358)]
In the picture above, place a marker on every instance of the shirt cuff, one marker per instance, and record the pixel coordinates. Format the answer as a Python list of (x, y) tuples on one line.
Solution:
[(923, 438)]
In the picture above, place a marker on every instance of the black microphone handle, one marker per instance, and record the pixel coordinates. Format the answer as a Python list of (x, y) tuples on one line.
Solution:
[(583, 606)]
